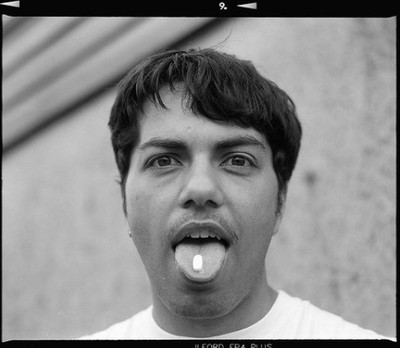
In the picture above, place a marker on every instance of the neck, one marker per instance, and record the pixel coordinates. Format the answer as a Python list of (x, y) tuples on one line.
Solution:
[(250, 310)]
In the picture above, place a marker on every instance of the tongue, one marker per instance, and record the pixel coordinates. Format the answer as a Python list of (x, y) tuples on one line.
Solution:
[(212, 252)]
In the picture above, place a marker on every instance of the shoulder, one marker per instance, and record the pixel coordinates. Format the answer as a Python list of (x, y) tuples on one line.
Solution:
[(310, 322), (123, 329)]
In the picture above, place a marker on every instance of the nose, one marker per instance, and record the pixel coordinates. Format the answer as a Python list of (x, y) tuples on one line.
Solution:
[(201, 188)]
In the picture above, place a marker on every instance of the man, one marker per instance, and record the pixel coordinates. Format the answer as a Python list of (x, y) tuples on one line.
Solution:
[(205, 147)]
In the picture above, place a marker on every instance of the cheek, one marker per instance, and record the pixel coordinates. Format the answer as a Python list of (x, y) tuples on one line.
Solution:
[(144, 228), (134, 202), (258, 218), (139, 198), (147, 211), (139, 209)]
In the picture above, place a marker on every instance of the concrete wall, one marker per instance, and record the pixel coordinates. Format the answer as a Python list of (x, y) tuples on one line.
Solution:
[(69, 267)]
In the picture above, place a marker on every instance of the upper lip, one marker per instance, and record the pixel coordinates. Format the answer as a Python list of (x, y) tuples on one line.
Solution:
[(195, 227)]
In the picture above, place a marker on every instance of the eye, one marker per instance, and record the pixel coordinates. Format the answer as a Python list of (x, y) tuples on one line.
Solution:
[(163, 161), (238, 161)]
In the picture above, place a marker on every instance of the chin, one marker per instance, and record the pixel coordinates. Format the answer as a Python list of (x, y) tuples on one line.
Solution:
[(204, 312), (196, 308)]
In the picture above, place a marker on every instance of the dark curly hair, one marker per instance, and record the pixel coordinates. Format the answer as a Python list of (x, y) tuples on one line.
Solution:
[(218, 86)]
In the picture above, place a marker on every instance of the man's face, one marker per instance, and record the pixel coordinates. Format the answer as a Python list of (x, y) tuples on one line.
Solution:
[(197, 187)]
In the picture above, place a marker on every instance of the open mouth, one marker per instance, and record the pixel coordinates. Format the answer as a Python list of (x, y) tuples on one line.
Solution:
[(200, 251), (203, 236)]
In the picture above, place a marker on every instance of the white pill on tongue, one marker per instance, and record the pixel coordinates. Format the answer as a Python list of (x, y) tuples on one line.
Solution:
[(211, 251), (198, 263)]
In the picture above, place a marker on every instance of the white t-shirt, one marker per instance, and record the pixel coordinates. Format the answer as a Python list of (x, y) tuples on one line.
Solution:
[(288, 318)]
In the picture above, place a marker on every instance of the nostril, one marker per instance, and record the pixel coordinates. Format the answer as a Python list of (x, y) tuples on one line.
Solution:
[(200, 203)]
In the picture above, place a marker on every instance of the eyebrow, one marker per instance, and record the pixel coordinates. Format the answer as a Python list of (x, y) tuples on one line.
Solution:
[(239, 140), (179, 144)]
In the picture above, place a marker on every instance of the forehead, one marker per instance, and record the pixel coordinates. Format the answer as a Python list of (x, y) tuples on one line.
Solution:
[(180, 122)]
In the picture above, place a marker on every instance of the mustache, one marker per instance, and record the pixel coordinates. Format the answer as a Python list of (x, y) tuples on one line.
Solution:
[(210, 217)]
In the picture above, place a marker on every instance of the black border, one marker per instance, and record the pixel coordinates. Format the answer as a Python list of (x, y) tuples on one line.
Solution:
[(189, 8)]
